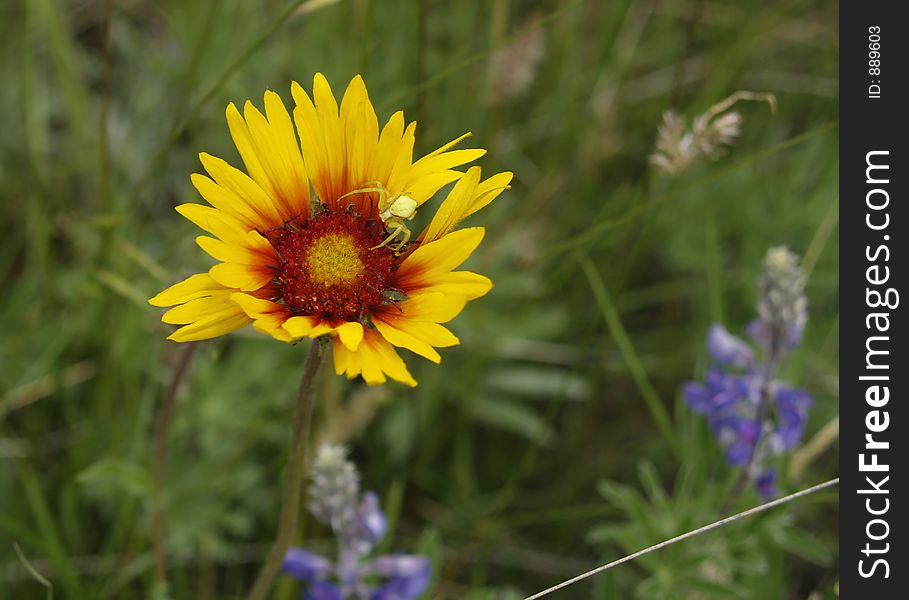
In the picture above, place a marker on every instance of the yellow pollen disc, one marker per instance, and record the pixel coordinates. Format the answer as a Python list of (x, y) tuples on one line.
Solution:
[(334, 259)]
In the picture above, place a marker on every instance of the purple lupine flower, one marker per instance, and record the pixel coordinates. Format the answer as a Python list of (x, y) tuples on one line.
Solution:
[(322, 590), (792, 410), (303, 564), (408, 576), (740, 436), (370, 520), (727, 349), (752, 414), (719, 392), (358, 523), (760, 333), (766, 484)]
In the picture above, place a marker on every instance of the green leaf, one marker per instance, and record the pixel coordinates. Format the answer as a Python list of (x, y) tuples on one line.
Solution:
[(633, 504), (160, 591), (540, 382), (605, 533), (709, 588), (430, 545), (112, 475), (501, 593), (33, 572), (804, 544), (651, 481), (511, 416)]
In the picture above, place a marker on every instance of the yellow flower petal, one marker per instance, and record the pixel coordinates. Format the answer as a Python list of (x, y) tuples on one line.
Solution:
[(239, 131), (257, 308), (403, 339), (300, 326), (263, 326), (343, 149), (414, 323), (226, 201), (467, 197), (252, 249), (389, 146), (361, 130), (426, 187), (315, 158), (435, 307), (209, 328), (203, 306), (329, 120), (268, 317), (279, 155), (194, 286), (449, 145), (444, 161), (350, 334), (200, 309), (295, 188), (345, 361), (386, 359), (436, 257), (454, 207), (214, 221), (400, 170), (374, 359), (431, 333), (246, 278), (468, 285), (245, 194), (488, 191)]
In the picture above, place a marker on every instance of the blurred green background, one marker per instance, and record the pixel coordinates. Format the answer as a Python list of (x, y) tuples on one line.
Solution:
[(532, 453)]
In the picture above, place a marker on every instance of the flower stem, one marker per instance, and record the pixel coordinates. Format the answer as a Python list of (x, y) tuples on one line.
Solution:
[(162, 425), (293, 476)]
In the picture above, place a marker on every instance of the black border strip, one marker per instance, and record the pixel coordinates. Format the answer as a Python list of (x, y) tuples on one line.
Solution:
[(873, 265)]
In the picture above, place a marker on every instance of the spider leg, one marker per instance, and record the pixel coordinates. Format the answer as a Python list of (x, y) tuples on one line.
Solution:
[(399, 227), (404, 240), (360, 303), (365, 190)]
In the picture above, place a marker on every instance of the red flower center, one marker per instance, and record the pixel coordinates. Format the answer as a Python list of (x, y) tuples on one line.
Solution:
[(328, 267)]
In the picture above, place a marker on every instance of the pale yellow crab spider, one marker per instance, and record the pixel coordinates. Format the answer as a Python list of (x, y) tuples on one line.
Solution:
[(393, 210)]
